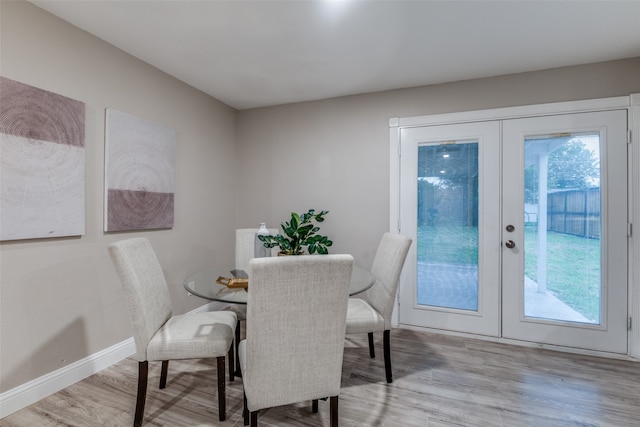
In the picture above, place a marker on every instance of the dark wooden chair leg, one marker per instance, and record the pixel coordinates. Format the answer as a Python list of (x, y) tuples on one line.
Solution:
[(372, 351), (163, 373), (387, 355), (232, 367), (245, 411), (333, 403), (254, 419), (314, 406), (237, 344), (222, 398), (143, 372)]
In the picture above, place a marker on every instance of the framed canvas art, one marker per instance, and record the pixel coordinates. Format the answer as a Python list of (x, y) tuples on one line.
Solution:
[(42, 163), (139, 173)]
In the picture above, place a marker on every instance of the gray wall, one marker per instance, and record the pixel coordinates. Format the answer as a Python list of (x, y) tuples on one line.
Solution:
[(334, 154), (60, 300)]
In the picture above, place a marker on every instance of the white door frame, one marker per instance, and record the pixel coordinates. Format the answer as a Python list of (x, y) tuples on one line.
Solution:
[(631, 103), (634, 214)]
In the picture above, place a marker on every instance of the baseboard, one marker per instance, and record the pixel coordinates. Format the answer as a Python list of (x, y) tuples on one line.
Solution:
[(39, 388), (29, 393)]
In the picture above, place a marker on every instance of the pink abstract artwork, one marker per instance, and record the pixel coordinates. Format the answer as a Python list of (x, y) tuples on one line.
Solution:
[(139, 181), (42, 163)]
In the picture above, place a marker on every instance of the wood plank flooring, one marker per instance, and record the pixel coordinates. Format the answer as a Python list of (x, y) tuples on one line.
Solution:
[(439, 381)]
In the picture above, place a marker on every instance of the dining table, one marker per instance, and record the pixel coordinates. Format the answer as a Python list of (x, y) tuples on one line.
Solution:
[(229, 285)]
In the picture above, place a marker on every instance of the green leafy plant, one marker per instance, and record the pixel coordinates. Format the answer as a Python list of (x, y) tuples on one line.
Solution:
[(298, 233)]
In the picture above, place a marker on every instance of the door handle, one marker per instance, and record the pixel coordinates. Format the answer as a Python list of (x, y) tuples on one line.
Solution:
[(510, 244)]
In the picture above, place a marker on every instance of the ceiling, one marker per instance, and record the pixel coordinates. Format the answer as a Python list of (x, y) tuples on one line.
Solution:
[(260, 53)]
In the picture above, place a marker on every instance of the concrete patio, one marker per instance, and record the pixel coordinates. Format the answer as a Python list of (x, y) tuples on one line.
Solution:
[(455, 286)]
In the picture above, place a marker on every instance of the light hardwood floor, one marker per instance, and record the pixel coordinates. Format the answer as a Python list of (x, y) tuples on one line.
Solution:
[(439, 381)]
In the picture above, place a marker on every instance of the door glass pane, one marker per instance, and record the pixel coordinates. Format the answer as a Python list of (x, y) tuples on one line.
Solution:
[(448, 225), (562, 228)]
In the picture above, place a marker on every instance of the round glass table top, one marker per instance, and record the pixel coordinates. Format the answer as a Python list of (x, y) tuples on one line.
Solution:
[(204, 284)]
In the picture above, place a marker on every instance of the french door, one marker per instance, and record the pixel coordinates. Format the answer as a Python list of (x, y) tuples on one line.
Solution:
[(450, 206), (520, 229)]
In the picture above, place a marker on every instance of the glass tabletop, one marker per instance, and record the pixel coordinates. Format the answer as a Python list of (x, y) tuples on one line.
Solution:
[(204, 284)]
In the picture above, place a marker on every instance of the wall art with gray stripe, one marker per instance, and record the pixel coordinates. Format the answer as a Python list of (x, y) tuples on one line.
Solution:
[(42, 163), (139, 173)]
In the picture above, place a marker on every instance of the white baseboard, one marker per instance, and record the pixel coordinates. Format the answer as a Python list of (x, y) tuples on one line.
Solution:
[(29, 393)]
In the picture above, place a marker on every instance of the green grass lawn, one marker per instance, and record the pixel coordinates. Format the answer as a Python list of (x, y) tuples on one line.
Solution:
[(573, 269), (573, 263), (448, 245)]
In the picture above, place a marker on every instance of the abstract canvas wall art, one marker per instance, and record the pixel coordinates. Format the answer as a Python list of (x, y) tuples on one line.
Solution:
[(139, 169), (42, 163)]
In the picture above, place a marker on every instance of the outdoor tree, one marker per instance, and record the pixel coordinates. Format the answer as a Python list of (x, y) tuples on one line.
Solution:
[(571, 166)]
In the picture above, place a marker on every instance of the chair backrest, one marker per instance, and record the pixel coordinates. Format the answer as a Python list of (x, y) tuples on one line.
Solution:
[(145, 289), (296, 321), (245, 241), (387, 266)]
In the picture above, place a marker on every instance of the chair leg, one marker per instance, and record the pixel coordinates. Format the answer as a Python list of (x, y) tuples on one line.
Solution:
[(237, 343), (254, 419), (163, 373), (372, 351), (232, 359), (245, 411), (387, 355), (333, 411), (314, 406), (143, 372), (222, 398)]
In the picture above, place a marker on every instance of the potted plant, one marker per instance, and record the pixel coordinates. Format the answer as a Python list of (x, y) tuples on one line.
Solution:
[(298, 233)]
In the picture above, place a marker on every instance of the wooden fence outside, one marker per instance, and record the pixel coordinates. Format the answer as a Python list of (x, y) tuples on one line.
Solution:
[(574, 212)]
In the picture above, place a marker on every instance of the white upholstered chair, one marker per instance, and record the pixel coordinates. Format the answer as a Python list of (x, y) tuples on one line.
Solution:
[(371, 310), (245, 240), (245, 249), (296, 317), (158, 334)]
